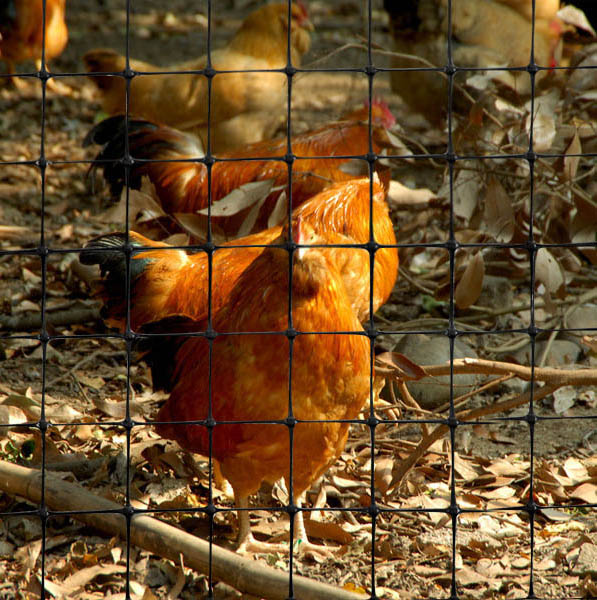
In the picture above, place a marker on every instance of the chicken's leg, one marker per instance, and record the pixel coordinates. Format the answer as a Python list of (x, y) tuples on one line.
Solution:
[(53, 84), (13, 80), (246, 541), (301, 540)]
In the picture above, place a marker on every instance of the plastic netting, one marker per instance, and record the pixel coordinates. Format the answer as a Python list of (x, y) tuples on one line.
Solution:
[(374, 69)]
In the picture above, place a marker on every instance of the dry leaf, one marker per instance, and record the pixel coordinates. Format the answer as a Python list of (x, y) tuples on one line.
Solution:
[(575, 470), (543, 121), (501, 493), (247, 227), (29, 405), (177, 239), (549, 272), (502, 466), (84, 576), (383, 473), (97, 383), (571, 161), (241, 198), (467, 185), (554, 514), (464, 468), (401, 366), (115, 408), (544, 131), (327, 530), (279, 214), (143, 206), (470, 285), (587, 492), (498, 218), (11, 415), (63, 413), (196, 226)]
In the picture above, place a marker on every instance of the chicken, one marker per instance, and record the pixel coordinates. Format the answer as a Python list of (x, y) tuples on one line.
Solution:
[(486, 33), (169, 283), (244, 108), (250, 374), (183, 186), (22, 35)]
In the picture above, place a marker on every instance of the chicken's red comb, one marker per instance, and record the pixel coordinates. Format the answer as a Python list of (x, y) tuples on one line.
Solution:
[(386, 117)]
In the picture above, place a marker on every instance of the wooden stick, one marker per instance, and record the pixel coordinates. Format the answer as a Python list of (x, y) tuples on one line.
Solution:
[(493, 367), (245, 575)]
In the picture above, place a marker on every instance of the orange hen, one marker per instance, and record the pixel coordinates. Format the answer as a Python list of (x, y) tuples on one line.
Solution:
[(171, 283), (183, 186), (22, 32), (250, 377), (245, 106)]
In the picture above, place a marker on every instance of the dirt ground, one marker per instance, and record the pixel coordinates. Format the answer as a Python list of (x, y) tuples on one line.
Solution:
[(82, 380)]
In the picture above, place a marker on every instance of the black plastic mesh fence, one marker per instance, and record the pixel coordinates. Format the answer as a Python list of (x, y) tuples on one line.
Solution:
[(445, 574)]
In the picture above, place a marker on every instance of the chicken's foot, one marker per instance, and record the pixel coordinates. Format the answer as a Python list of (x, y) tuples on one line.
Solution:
[(246, 542), (301, 544)]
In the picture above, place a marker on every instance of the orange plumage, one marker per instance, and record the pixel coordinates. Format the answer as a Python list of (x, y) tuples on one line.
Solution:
[(245, 107), (22, 32), (183, 186), (330, 377), (168, 283)]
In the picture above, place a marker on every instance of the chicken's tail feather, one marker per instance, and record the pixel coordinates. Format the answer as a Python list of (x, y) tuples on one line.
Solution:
[(112, 254), (110, 133), (146, 142)]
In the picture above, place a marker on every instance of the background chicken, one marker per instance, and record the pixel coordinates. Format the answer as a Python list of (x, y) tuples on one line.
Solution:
[(169, 283), (245, 107), (22, 35), (486, 33), (183, 186)]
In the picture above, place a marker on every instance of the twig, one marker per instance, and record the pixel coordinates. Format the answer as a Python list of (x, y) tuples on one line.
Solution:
[(547, 348), (458, 402), (428, 323), (402, 467), (404, 275), (518, 342), (477, 366), (246, 575), (410, 402), (58, 318), (86, 359)]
